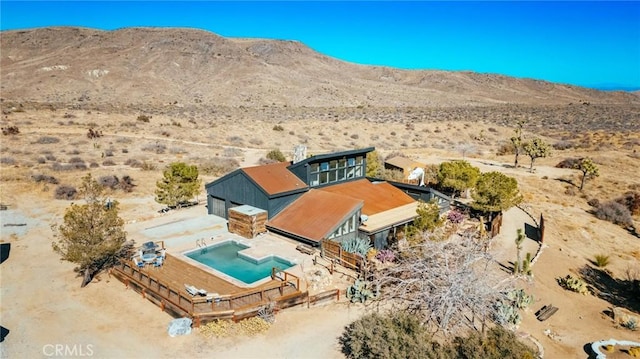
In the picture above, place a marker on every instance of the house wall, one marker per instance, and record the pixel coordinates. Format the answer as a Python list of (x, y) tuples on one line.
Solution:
[(237, 190)]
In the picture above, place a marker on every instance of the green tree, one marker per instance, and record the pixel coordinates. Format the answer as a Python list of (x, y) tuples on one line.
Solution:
[(495, 192), (457, 175), (517, 141), (276, 155), (92, 234), (536, 148), (179, 184), (427, 220), (374, 165), (589, 170)]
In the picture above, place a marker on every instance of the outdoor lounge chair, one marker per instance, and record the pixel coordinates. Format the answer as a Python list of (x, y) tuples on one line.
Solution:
[(138, 263), (158, 262), (191, 289)]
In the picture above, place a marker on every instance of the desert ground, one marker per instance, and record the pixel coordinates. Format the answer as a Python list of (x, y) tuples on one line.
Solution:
[(43, 304)]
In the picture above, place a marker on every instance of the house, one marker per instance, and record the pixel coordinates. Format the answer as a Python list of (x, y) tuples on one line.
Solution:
[(399, 163), (320, 197)]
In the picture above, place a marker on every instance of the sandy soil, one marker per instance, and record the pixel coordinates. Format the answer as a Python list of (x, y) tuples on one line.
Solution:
[(42, 303)]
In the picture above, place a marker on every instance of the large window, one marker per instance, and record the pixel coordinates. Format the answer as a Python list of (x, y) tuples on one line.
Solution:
[(336, 171), (349, 226)]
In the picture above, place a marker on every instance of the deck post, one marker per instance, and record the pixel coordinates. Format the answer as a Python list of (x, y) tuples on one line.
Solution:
[(162, 305)]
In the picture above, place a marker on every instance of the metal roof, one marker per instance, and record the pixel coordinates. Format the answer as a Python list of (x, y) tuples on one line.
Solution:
[(377, 196), (406, 164), (315, 215), (274, 178), (390, 218)]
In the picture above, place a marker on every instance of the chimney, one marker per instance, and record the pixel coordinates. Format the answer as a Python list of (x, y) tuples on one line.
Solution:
[(299, 153)]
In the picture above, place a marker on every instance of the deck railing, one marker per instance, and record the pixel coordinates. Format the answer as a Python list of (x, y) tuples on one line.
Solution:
[(201, 309)]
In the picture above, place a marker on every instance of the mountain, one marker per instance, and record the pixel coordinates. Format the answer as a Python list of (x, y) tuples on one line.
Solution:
[(158, 66)]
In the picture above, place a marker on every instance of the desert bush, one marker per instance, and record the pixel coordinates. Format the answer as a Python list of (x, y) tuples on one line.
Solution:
[(108, 162), (256, 141), (76, 160), (132, 162), (125, 150), (47, 140), (148, 166), (614, 212), (569, 163), (631, 200), (276, 155), (8, 161), (218, 166), (50, 157), (45, 178), (91, 133), (108, 153), (11, 130), (507, 148), (278, 128), (455, 216), (156, 148), (573, 284), (75, 151), (631, 323), (385, 255), (232, 152), (594, 202), (109, 181), (562, 145), (143, 118), (94, 165), (601, 260), (41, 160), (66, 192)]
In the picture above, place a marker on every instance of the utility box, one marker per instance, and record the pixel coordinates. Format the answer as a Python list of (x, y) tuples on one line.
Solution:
[(247, 221)]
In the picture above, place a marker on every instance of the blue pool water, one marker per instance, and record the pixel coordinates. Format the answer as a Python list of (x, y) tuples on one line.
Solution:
[(225, 258)]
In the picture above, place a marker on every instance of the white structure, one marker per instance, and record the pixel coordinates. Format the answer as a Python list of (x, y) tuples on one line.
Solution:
[(417, 173)]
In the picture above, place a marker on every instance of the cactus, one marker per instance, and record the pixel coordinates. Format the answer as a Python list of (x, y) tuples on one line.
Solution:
[(506, 314), (519, 298), (360, 291), (573, 284), (526, 264), (385, 255), (356, 245)]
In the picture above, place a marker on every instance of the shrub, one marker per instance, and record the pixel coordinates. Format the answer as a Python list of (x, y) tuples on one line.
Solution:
[(562, 145), (356, 245), (614, 212), (66, 192), (41, 160), (594, 202), (50, 157), (7, 160), (127, 184), (386, 255), (144, 118), (278, 128), (11, 130), (46, 140), (455, 216), (44, 178), (109, 181), (148, 166), (91, 133), (276, 155), (631, 200), (506, 148), (108, 162), (76, 160), (108, 153), (156, 147), (601, 260), (94, 165), (218, 166), (571, 163), (631, 323), (133, 163)]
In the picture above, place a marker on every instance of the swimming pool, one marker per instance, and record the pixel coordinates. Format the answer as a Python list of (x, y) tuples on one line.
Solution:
[(226, 257)]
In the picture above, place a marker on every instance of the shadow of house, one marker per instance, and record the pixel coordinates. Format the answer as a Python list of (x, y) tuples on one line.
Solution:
[(3, 333), (5, 249), (619, 292), (532, 232)]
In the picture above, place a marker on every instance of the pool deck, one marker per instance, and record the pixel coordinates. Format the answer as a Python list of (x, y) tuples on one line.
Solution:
[(184, 231)]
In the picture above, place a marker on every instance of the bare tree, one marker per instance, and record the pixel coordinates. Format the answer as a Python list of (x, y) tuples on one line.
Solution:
[(449, 284)]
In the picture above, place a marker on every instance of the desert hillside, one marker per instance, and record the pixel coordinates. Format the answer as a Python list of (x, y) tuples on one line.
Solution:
[(158, 66)]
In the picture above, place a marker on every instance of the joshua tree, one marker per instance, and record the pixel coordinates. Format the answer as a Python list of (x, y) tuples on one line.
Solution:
[(517, 141), (536, 148), (589, 170)]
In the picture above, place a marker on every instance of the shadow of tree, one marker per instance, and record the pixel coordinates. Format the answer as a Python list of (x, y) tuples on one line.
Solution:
[(567, 181), (619, 292)]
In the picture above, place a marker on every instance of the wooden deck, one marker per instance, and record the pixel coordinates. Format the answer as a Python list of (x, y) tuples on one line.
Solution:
[(165, 287)]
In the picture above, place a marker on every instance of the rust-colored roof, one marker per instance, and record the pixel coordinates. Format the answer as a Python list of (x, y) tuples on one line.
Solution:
[(315, 214), (275, 178), (378, 197)]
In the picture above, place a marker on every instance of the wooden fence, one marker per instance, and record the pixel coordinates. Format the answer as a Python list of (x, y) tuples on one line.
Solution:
[(202, 309), (333, 251), (496, 224)]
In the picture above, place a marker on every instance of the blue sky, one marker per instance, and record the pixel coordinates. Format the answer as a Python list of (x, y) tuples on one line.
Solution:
[(593, 44)]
